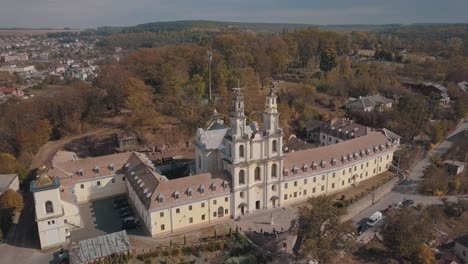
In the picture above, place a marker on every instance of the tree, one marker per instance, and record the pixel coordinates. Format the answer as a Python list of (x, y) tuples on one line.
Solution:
[(324, 234), (141, 105), (11, 200), (9, 164), (425, 256), (406, 232), (328, 60), (345, 67)]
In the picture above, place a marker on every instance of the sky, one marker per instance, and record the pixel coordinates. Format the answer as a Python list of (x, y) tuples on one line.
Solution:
[(94, 13)]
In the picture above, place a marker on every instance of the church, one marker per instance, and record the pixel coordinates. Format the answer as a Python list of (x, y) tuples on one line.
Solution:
[(240, 170)]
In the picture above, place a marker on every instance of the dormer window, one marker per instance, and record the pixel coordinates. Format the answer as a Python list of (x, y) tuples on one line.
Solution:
[(323, 164), (176, 195), (350, 157), (225, 184), (80, 172), (295, 169), (285, 172), (356, 155), (111, 167), (160, 198), (202, 189), (344, 159), (368, 151), (314, 165), (189, 192), (376, 148), (96, 169), (333, 162), (213, 187), (305, 167)]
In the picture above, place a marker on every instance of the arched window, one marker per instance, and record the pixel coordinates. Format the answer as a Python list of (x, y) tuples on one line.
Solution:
[(241, 177), (274, 146), (229, 150), (257, 174), (274, 170), (241, 151), (199, 162), (49, 208)]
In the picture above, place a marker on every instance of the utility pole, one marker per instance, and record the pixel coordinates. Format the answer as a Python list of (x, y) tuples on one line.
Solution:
[(210, 59)]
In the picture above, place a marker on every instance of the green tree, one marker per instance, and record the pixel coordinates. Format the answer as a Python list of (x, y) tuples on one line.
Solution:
[(328, 60), (324, 234), (407, 232)]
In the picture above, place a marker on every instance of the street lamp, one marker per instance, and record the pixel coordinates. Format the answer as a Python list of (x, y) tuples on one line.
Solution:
[(210, 59)]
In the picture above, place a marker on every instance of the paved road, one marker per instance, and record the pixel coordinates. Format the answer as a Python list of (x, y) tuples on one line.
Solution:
[(409, 189)]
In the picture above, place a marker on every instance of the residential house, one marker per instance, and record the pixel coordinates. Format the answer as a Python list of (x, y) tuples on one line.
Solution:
[(340, 129), (12, 92), (428, 89), (371, 103)]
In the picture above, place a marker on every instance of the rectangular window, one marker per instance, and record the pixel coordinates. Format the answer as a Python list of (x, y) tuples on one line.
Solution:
[(333, 185), (226, 211), (315, 179), (362, 166), (214, 201), (388, 157), (98, 183), (367, 164), (295, 183), (380, 159), (323, 177), (177, 210), (342, 182), (82, 186), (305, 181), (366, 173), (344, 172), (374, 170), (162, 227), (350, 170), (190, 208), (375, 161), (226, 199), (305, 192), (295, 194), (190, 220), (203, 217), (286, 185), (113, 180), (285, 196), (313, 190), (323, 188), (123, 178), (355, 168), (161, 214), (333, 175), (65, 221), (214, 214), (202, 205)]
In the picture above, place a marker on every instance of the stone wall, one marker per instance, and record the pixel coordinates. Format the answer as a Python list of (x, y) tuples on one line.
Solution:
[(370, 199)]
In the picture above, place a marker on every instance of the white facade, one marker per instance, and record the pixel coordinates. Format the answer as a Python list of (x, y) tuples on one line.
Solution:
[(49, 214)]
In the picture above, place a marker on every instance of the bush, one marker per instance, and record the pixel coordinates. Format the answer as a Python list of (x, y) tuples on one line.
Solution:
[(175, 252), (187, 251), (165, 253)]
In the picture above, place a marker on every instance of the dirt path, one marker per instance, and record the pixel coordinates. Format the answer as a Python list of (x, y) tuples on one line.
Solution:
[(46, 152)]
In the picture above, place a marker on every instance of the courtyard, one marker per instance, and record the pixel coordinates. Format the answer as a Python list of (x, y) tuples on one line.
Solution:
[(100, 218)]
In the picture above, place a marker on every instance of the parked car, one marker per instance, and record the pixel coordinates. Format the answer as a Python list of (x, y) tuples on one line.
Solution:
[(407, 202), (130, 223), (362, 228), (374, 218)]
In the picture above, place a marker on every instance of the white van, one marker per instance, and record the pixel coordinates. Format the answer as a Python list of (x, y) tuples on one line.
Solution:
[(374, 218)]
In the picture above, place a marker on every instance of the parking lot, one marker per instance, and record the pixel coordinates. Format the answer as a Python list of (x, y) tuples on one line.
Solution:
[(100, 218)]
